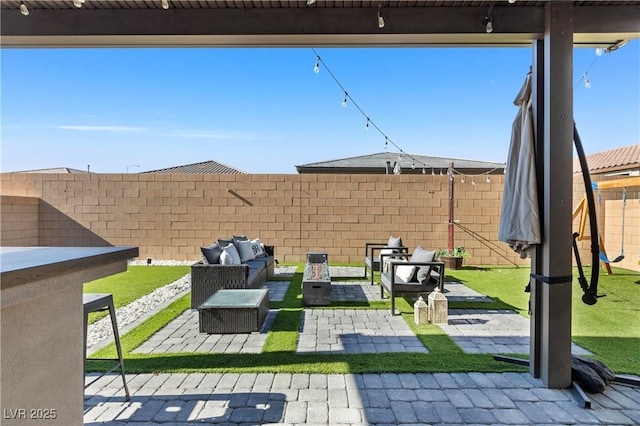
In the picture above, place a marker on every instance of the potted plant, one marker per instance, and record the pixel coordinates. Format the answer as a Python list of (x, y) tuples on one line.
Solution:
[(453, 258)]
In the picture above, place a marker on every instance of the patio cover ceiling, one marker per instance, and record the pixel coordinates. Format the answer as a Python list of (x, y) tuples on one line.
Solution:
[(104, 23)]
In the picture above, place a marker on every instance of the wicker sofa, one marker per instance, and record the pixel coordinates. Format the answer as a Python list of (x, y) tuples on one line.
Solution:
[(206, 279)]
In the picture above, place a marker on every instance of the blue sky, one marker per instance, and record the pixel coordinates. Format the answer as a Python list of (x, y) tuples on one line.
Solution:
[(265, 110)]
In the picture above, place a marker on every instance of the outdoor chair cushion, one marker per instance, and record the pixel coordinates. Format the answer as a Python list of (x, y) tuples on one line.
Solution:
[(421, 255)]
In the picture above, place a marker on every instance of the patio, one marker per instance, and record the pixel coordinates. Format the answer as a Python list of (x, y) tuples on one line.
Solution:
[(385, 398)]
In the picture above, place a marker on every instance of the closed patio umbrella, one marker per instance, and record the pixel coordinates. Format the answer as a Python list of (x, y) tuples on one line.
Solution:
[(519, 216)]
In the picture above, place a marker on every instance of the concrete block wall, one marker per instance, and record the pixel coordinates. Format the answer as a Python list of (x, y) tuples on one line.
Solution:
[(19, 221), (170, 216)]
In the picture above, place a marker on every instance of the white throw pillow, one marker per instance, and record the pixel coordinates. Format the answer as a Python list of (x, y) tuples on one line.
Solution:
[(231, 251), (405, 273), (225, 258), (258, 249), (245, 250)]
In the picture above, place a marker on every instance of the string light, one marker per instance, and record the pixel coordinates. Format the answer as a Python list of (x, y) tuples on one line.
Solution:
[(462, 179), (512, 1), (316, 68), (413, 165), (488, 179), (424, 171), (433, 173), (488, 20), (78, 3), (369, 122), (599, 52), (23, 9), (165, 4), (310, 2), (380, 18), (473, 181)]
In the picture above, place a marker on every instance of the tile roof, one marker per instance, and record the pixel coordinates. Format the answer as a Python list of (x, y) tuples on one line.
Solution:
[(626, 158), (206, 167), (376, 163)]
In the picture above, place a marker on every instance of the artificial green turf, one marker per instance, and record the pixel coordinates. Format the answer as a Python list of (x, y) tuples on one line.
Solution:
[(505, 285), (278, 354), (135, 282), (610, 329)]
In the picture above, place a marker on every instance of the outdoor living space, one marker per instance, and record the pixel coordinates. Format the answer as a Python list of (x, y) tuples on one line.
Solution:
[(351, 362)]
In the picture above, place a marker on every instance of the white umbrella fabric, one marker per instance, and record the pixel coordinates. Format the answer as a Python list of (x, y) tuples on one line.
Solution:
[(519, 216)]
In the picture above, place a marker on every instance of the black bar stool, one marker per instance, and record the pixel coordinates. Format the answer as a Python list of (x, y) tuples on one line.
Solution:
[(94, 302)]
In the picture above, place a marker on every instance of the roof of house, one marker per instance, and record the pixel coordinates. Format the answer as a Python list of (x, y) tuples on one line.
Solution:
[(626, 158), (54, 170), (410, 163), (205, 167)]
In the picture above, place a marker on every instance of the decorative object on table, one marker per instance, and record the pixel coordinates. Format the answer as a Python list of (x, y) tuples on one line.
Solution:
[(420, 314), (437, 307), (453, 258)]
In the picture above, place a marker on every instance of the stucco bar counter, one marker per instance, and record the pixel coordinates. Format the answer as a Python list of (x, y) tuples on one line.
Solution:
[(41, 329)]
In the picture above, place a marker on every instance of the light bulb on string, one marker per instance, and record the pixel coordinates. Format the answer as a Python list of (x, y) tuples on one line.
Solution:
[(413, 165), (165, 4), (386, 143), (424, 171), (433, 173), (366, 126), (441, 174), (489, 27), (512, 1), (587, 82), (380, 18), (77, 3), (344, 101), (23, 9), (310, 2), (473, 181), (462, 179), (488, 179), (599, 51), (488, 21), (316, 67)]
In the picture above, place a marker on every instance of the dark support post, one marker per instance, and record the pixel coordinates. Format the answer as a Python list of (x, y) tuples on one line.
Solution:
[(537, 96), (555, 297), (450, 175)]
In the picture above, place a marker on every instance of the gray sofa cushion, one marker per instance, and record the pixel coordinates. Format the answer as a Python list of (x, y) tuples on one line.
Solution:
[(422, 255), (211, 254)]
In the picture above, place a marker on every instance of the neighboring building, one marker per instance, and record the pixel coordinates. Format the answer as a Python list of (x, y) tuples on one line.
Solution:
[(54, 170), (385, 162), (206, 167), (624, 161)]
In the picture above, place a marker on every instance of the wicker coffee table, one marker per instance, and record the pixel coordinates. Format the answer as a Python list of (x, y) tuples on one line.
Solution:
[(234, 311), (316, 281)]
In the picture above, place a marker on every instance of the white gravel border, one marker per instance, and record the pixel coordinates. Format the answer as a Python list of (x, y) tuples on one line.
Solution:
[(100, 330)]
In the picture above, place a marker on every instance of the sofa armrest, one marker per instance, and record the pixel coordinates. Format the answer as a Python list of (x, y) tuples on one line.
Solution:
[(207, 279)]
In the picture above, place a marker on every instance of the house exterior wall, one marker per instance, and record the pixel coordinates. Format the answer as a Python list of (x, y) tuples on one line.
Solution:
[(170, 216)]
